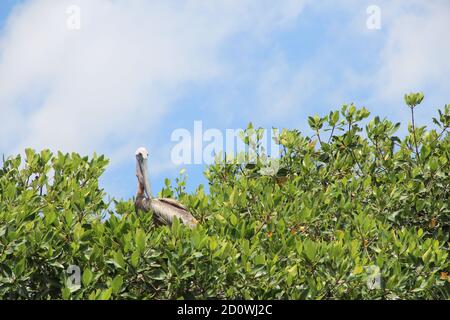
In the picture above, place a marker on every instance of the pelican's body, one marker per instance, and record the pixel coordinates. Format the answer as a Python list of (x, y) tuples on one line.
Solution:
[(164, 209)]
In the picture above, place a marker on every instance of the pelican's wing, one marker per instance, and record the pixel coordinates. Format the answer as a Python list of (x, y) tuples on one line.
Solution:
[(173, 202), (165, 209), (161, 214)]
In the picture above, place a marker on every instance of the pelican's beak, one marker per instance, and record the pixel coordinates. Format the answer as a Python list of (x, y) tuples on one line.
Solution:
[(143, 176), (139, 174)]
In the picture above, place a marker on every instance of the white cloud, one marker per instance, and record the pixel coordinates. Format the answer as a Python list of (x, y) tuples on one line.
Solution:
[(415, 55), (284, 91), (410, 53), (103, 87)]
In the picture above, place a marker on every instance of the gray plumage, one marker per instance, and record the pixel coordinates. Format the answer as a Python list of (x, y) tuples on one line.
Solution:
[(164, 209)]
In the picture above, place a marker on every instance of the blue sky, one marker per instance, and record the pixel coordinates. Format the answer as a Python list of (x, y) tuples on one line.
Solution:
[(135, 71)]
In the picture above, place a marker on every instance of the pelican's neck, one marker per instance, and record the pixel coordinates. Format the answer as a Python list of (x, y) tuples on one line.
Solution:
[(148, 189), (140, 190)]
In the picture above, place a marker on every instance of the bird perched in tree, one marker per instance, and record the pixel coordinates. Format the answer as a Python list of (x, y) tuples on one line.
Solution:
[(164, 209)]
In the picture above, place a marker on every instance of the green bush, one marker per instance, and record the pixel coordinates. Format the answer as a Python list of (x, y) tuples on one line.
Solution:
[(337, 207)]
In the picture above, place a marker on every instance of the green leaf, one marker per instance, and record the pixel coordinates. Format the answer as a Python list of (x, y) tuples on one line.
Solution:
[(420, 232), (135, 257), (334, 117), (30, 153), (213, 244), (299, 247), (19, 268), (116, 284), (158, 274), (50, 217), (140, 240), (309, 248), (427, 256), (106, 294), (233, 220), (118, 260), (358, 269), (260, 259), (87, 277), (175, 225), (66, 293), (367, 182), (196, 238), (68, 216), (293, 271)]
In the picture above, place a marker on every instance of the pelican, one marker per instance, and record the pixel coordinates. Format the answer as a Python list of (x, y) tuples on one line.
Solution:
[(164, 209)]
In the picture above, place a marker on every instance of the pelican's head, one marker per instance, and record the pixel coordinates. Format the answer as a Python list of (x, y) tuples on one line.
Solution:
[(142, 169), (142, 152)]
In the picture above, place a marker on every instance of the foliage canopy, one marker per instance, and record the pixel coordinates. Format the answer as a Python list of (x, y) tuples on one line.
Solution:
[(342, 203)]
